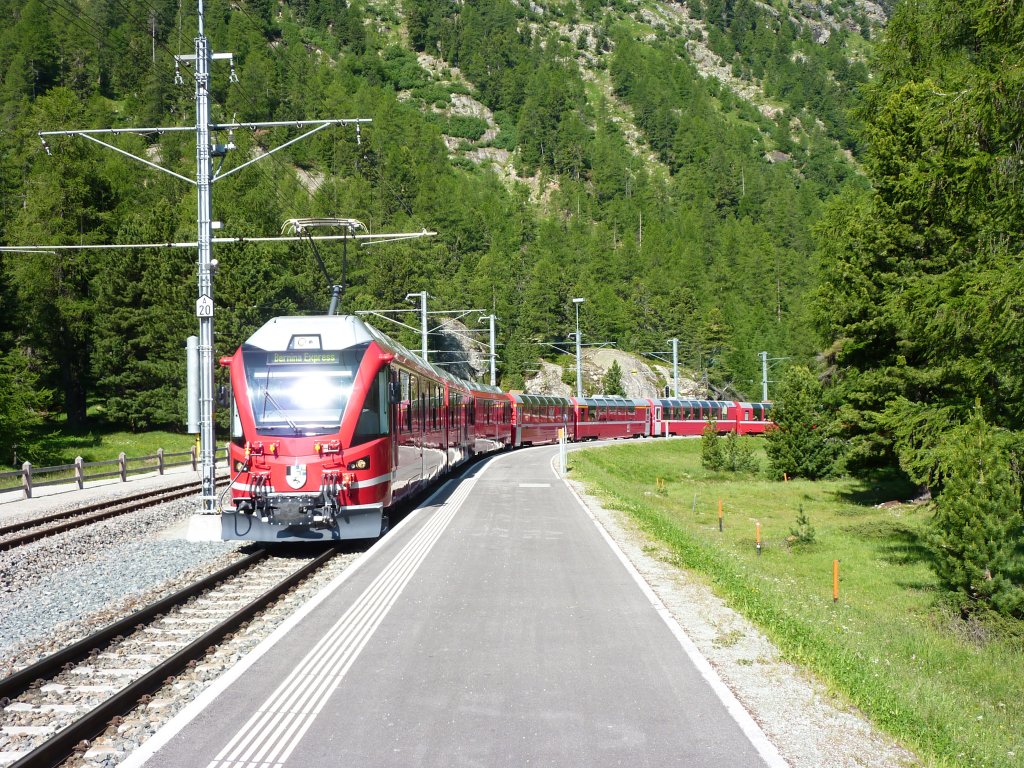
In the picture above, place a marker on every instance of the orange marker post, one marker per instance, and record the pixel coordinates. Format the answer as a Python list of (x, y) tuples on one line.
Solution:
[(835, 582), (719, 515), (757, 534)]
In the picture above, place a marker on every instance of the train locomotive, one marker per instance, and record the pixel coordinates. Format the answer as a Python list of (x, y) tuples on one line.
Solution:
[(333, 422)]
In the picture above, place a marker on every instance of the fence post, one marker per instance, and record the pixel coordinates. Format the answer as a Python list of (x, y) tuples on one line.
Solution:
[(79, 472), (160, 461), (195, 450), (122, 465), (26, 479)]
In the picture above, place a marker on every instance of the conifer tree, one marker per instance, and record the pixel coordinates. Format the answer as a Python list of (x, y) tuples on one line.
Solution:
[(977, 534), (799, 445), (711, 455), (612, 381)]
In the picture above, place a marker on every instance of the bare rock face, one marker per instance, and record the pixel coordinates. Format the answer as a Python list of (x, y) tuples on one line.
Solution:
[(548, 381), (463, 351), (640, 377)]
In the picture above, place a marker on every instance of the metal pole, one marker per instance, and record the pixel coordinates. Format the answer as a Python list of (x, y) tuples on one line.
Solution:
[(675, 367), (579, 363), (192, 376), (423, 323), (764, 376), (493, 352), (579, 367), (204, 304)]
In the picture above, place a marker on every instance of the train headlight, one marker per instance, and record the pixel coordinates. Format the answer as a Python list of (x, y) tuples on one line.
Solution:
[(239, 466), (363, 463)]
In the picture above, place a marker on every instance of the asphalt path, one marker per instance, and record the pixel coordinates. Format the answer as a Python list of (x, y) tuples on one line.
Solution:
[(496, 626)]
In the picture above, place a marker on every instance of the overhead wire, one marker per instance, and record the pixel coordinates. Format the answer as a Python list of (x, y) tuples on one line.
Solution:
[(72, 15)]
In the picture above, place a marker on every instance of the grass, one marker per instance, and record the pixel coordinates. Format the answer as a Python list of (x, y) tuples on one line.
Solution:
[(96, 443), (949, 689)]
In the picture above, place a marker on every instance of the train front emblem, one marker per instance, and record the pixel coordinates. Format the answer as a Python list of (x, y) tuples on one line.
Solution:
[(295, 474)]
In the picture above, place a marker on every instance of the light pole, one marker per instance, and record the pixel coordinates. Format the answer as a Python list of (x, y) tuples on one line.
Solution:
[(492, 318), (675, 367), (422, 296), (579, 366)]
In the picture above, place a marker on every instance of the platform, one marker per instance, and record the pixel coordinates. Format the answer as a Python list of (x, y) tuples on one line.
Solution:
[(496, 626)]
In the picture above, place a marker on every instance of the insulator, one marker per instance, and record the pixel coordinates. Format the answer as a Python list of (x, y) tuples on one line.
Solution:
[(232, 75), (359, 138), (178, 79)]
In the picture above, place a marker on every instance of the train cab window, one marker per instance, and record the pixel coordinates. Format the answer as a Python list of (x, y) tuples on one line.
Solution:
[(237, 435), (373, 417)]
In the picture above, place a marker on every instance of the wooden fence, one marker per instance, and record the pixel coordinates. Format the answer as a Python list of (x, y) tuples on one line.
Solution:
[(81, 471)]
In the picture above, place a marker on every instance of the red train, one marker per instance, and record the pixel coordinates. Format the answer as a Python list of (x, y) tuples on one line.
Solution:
[(333, 422)]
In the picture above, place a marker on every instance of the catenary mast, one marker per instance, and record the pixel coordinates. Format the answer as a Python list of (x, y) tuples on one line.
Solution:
[(204, 180)]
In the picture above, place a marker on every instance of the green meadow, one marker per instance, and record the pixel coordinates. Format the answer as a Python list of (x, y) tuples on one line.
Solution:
[(949, 688)]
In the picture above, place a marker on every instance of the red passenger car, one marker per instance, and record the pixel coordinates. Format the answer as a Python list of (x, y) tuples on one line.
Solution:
[(536, 419), (599, 418)]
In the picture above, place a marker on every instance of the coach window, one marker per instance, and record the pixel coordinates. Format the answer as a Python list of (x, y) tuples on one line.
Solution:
[(414, 403)]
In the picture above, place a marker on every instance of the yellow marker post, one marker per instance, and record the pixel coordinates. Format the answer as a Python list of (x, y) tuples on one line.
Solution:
[(835, 582), (719, 515), (757, 533)]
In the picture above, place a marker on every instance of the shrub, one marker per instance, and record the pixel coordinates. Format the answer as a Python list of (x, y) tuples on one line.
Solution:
[(466, 127), (711, 455), (739, 456), (803, 533)]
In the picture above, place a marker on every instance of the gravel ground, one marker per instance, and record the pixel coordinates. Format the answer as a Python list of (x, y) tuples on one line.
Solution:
[(809, 726)]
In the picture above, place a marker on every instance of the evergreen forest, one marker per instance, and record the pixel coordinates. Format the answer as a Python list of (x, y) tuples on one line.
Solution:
[(558, 151), (838, 188)]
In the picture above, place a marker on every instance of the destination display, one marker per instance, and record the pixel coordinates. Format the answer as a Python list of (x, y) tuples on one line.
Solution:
[(304, 358)]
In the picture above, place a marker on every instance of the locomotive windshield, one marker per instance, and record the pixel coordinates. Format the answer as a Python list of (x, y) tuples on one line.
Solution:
[(300, 392)]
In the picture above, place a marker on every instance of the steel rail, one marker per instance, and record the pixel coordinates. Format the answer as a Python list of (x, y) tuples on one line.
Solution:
[(91, 513), (19, 682), (62, 745)]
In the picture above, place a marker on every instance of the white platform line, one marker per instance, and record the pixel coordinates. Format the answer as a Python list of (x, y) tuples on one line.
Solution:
[(271, 734)]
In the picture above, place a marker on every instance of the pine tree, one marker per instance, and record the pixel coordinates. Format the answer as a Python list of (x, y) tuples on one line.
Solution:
[(612, 381), (977, 534), (799, 445)]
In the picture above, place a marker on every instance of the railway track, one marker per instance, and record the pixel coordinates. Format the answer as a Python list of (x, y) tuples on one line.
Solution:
[(49, 709), (28, 531)]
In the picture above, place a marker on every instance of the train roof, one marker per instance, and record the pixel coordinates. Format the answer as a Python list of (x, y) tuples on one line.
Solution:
[(341, 332), (318, 331), (521, 397), (611, 400)]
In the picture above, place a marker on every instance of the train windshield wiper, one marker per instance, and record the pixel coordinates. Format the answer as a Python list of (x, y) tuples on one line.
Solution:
[(269, 398)]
